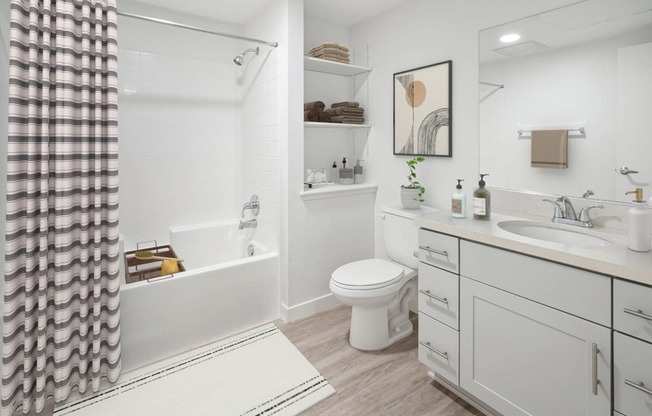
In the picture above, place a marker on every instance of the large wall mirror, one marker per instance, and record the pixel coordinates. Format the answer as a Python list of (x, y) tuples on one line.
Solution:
[(585, 68)]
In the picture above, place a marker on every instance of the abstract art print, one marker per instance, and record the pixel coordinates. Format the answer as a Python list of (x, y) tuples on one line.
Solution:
[(422, 111)]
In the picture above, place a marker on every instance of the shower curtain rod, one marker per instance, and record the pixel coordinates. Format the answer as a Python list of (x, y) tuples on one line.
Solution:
[(492, 84), (197, 29)]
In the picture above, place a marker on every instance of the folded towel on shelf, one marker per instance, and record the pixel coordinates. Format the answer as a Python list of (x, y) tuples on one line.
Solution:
[(333, 58), (311, 115), (345, 111), (317, 106), (549, 149), (352, 104), (324, 117), (347, 119), (329, 51), (331, 45)]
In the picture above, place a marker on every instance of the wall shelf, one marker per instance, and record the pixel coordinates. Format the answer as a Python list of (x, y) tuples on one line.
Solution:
[(337, 191), (335, 68), (313, 124)]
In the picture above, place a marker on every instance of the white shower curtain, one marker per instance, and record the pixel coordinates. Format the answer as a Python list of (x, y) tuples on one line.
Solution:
[(61, 293)]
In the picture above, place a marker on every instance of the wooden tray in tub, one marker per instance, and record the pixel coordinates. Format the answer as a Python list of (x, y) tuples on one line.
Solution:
[(137, 270)]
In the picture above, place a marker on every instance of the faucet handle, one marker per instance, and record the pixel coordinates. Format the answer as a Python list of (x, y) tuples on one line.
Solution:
[(584, 213), (559, 211)]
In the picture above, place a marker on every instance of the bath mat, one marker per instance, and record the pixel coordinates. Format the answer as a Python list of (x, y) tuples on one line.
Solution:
[(257, 373)]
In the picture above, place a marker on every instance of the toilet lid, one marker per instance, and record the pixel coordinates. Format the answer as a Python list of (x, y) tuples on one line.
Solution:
[(368, 274)]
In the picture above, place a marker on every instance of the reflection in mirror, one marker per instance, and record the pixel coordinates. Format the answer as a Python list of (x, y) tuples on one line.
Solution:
[(584, 68)]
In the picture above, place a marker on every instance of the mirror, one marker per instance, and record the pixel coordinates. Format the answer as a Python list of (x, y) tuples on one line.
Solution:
[(585, 68)]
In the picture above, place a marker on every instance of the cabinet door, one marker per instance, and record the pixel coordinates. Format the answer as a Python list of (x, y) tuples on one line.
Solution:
[(524, 358)]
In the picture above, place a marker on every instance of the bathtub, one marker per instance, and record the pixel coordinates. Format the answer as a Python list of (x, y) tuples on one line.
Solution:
[(223, 291)]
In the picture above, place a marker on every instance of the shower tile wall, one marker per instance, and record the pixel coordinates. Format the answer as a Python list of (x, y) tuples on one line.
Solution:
[(179, 130)]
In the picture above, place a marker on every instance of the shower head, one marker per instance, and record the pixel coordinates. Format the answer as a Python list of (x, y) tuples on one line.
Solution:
[(240, 58)]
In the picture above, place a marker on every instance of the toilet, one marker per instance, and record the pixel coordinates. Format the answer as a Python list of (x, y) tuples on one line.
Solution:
[(378, 290)]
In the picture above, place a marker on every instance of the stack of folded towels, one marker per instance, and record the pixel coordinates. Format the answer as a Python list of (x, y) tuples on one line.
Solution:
[(348, 112), (314, 111), (331, 51)]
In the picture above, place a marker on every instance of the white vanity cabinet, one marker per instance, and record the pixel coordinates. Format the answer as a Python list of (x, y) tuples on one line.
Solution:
[(632, 349)]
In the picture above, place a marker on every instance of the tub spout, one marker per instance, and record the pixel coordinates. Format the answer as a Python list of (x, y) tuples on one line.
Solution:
[(248, 224)]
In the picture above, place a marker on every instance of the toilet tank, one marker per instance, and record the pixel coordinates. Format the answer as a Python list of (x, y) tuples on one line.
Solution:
[(401, 235)]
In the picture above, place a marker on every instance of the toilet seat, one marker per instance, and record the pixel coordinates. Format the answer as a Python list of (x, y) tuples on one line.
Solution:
[(367, 274)]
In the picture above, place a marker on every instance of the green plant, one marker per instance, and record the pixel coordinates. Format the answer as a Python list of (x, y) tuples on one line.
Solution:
[(412, 177)]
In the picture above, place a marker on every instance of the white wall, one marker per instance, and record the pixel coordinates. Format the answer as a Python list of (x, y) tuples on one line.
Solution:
[(565, 86), (180, 107), (260, 79), (415, 34)]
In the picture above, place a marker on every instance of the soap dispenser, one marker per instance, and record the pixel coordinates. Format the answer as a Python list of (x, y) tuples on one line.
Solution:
[(458, 202), (346, 175), (358, 175), (639, 225), (481, 200)]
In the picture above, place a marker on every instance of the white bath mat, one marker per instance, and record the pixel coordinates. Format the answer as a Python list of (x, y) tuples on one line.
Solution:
[(257, 373)]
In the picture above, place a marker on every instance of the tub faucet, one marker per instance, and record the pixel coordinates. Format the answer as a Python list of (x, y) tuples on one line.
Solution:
[(252, 223), (253, 205)]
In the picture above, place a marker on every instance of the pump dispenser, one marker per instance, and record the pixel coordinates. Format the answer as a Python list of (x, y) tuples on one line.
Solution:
[(458, 202), (639, 225), (358, 175), (481, 200)]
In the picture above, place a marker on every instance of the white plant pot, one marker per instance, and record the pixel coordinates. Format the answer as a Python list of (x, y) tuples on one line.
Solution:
[(410, 198)]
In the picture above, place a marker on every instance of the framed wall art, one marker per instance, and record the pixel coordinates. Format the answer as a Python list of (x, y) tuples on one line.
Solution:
[(422, 111)]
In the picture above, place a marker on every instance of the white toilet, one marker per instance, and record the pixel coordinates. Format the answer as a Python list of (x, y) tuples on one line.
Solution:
[(378, 290)]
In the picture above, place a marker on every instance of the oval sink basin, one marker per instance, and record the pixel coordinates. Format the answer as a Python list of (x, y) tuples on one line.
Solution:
[(553, 233)]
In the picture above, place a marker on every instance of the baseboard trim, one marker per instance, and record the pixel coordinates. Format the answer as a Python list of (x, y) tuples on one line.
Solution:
[(311, 307), (483, 408)]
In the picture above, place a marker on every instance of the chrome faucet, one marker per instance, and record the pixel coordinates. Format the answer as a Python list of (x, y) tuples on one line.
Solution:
[(252, 223), (565, 213), (253, 205)]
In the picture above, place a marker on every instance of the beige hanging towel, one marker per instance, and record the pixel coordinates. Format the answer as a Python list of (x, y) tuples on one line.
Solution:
[(549, 149)]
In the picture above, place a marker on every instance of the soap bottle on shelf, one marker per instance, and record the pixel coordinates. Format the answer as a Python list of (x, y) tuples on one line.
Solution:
[(358, 176), (639, 227), (458, 202), (335, 174), (481, 200), (346, 175)]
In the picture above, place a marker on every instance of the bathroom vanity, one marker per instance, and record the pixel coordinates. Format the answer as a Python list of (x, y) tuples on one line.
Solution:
[(522, 326)]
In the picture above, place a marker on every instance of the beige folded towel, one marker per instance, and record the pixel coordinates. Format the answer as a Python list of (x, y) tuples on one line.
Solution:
[(317, 106), (345, 111), (347, 119), (311, 115), (334, 58), (324, 117), (549, 149), (353, 104), (329, 51), (333, 45)]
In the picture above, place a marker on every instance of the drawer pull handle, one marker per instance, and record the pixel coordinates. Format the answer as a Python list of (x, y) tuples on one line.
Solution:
[(436, 351), (433, 251), (639, 313), (431, 296), (639, 386), (594, 370)]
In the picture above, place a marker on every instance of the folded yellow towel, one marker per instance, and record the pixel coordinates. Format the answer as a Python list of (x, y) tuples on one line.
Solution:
[(549, 149)]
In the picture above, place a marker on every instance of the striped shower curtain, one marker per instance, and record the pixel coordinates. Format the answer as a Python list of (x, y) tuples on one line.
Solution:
[(61, 292)]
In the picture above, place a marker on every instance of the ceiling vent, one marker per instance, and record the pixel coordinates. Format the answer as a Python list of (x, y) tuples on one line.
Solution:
[(522, 48)]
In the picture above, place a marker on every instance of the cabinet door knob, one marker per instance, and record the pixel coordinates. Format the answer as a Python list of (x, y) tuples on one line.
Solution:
[(639, 313)]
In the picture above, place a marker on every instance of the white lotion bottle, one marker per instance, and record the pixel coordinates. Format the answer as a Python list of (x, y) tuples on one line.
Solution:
[(458, 201), (639, 225)]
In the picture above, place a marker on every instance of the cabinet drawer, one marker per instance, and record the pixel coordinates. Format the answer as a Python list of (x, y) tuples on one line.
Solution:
[(439, 348), (439, 250), (633, 309), (578, 292), (439, 294), (632, 366)]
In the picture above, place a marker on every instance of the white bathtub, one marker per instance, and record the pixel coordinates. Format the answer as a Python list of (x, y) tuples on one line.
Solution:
[(223, 291)]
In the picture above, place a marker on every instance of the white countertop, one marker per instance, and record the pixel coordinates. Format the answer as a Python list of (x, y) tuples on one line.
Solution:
[(615, 260)]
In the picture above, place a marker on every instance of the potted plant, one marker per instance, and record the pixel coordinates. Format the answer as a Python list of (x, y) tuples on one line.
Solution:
[(412, 194)]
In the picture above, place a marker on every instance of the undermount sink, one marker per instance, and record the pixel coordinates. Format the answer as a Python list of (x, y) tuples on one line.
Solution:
[(553, 233)]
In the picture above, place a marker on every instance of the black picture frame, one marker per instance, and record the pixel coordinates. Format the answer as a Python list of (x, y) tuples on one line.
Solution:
[(423, 111)]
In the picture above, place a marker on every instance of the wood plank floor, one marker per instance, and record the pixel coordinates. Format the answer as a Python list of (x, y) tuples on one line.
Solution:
[(388, 382)]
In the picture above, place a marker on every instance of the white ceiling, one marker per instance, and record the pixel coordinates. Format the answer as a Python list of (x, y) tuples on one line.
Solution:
[(342, 12)]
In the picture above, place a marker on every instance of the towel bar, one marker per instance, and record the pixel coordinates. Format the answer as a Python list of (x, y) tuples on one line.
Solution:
[(580, 130)]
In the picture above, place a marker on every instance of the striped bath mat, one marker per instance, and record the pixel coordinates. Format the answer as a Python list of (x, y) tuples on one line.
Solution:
[(257, 373)]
